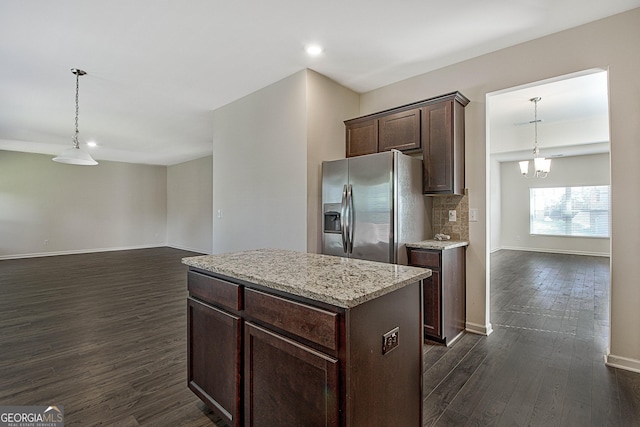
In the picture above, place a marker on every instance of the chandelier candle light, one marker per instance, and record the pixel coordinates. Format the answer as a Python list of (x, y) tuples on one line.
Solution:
[(541, 165), (75, 155)]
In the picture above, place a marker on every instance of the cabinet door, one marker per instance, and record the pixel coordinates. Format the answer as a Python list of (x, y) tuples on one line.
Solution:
[(437, 146), (287, 383), (214, 346), (400, 131), (362, 137), (453, 292), (432, 304)]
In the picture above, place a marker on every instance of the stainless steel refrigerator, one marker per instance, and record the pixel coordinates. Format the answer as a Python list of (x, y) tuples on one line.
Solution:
[(372, 206)]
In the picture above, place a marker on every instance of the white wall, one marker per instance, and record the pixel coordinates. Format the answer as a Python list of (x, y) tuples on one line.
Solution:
[(190, 205), (260, 169), (609, 44), (268, 150), (78, 208), (566, 172), (495, 204)]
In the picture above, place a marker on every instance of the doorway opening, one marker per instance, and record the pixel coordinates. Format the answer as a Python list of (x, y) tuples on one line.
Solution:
[(570, 127)]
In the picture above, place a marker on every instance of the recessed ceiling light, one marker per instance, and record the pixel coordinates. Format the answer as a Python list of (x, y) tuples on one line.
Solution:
[(313, 49), (92, 144)]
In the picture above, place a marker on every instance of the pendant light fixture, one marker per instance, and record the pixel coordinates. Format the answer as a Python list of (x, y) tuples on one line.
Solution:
[(541, 165), (75, 155)]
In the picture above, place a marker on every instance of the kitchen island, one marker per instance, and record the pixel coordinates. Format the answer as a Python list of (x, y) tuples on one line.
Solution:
[(286, 338)]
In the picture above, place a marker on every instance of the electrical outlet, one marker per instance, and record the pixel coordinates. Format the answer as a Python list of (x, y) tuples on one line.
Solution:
[(46, 241), (452, 216), (390, 340)]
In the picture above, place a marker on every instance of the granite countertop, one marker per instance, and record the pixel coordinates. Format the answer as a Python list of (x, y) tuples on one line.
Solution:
[(341, 282), (438, 244)]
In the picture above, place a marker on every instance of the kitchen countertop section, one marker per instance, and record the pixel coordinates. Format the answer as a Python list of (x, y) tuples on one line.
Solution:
[(438, 244), (341, 282)]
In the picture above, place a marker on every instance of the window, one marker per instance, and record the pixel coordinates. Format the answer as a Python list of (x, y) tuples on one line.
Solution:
[(570, 211)]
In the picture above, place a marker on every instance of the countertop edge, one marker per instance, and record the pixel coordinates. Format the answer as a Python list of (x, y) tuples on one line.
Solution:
[(438, 244), (336, 294)]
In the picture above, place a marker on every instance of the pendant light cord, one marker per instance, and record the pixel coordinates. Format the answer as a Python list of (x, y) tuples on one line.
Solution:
[(535, 117), (75, 138), (535, 126)]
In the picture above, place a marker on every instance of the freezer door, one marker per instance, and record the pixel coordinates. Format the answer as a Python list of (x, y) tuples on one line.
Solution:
[(371, 180), (335, 175)]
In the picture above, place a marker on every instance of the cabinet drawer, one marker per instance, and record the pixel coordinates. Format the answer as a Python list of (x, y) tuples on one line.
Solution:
[(215, 291), (422, 258), (313, 324)]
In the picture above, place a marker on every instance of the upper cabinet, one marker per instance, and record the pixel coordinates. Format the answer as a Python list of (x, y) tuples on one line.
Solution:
[(443, 145), (400, 131), (362, 137), (434, 127)]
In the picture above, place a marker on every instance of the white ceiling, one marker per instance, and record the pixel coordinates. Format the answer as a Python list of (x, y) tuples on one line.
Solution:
[(573, 117), (156, 69)]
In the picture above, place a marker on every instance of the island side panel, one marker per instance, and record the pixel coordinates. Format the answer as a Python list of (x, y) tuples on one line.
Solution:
[(385, 389)]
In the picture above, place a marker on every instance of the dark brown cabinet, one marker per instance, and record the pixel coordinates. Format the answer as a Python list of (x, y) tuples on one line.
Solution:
[(400, 131), (262, 358), (444, 293), (287, 383), (443, 145), (362, 137), (430, 294), (383, 132), (214, 343), (433, 127)]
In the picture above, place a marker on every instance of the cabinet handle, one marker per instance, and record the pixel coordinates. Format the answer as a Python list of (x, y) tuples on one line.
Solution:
[(343, 218), (351, 219)]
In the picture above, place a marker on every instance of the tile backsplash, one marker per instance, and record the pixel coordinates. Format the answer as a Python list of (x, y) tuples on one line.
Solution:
[(458, 230)]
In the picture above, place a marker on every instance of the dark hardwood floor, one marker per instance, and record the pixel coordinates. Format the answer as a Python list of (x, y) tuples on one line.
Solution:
[(544, 363), (104, 335)]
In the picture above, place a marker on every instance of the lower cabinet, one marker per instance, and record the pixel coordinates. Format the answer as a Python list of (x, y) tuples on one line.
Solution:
[(287, 383), (432, 301), (257, 358), (444, 293), (214, 344)]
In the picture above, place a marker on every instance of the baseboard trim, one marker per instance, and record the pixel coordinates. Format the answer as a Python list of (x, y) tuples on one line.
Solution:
[(475, 328), (80, 251), (456, 338), (184, 248), (554, 251), (620, 362)]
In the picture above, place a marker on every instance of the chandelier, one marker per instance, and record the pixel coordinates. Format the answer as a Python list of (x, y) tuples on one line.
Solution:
[(541, 165), (75, 155)]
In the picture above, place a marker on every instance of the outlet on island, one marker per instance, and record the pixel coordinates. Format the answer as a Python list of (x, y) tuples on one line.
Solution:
[(390, 340)]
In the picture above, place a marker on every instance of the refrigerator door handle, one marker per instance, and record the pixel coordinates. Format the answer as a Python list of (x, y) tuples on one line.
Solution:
[(351, 219), (343, 219)]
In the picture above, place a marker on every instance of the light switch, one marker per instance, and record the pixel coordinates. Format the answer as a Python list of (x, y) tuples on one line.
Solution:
[(452, 216), (473, 215), (219, 214)]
